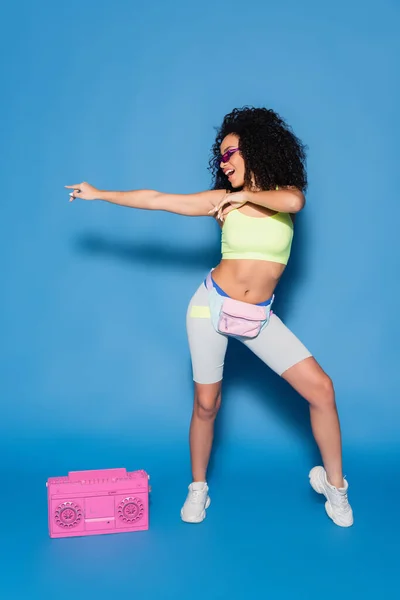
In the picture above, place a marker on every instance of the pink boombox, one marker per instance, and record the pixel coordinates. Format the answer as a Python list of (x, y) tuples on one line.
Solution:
[(98, 502)]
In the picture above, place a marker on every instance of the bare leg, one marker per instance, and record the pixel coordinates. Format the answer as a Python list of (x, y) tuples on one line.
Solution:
[(207, 400), (311, 382)]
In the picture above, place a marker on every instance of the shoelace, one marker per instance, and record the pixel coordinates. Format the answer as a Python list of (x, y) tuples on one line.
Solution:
[(196, 497), (343, 502)]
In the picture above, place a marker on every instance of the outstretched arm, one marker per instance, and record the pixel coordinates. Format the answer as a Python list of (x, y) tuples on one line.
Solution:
[(193, 205)]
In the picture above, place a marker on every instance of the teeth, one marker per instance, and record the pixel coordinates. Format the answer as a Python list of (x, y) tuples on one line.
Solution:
[(229, 172)]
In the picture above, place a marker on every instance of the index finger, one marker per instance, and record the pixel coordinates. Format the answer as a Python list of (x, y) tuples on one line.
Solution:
[(73, 187)]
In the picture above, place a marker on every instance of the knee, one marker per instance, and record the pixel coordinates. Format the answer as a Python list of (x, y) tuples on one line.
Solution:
[(323, 393), (206, 405)]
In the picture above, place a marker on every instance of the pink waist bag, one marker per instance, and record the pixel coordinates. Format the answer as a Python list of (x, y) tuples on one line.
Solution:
[(236, 318)]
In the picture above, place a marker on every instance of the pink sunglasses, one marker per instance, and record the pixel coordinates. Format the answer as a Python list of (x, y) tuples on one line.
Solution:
[(223, 158)]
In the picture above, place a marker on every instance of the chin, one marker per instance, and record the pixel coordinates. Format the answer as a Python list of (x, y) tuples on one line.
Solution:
[(236, 184)]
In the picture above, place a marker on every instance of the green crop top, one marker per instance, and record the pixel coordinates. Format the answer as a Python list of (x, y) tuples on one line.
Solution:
[(257, 238)]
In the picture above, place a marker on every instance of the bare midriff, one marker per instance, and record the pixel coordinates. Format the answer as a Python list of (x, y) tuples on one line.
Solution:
[(252, 281)]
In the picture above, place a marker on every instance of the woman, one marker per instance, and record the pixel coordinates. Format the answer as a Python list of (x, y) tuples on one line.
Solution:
[(259, 184)]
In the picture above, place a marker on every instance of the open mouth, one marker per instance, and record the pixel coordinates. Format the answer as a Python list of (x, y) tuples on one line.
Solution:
[(229, 173)]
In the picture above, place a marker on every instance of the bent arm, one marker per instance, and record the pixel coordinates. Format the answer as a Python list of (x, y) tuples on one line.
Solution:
[(284, 199), (193, 205)]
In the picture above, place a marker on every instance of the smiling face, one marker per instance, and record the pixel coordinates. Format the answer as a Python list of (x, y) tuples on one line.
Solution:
[(232, 163)]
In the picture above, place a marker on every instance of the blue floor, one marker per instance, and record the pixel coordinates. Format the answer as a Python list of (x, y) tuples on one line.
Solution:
[(266, 531)]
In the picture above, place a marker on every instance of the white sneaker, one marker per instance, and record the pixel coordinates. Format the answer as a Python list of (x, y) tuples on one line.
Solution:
[(337, 505), (194, 509)]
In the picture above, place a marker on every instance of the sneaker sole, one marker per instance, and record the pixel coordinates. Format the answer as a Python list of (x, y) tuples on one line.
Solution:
[(202, 515), (318, 487)]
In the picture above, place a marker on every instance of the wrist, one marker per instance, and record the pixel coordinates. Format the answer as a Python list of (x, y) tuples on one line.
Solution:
[(102, 195), (251, 197)]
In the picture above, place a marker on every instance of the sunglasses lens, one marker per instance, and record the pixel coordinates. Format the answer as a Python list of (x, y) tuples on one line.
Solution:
[(225, 157)]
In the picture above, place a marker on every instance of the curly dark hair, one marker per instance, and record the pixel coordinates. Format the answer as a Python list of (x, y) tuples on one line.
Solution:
[(269, 148)]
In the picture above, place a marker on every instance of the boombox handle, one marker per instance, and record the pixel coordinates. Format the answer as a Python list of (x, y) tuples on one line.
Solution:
[(99, 474)]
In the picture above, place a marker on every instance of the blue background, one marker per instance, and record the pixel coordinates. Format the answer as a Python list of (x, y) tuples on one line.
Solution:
[(95, 369)]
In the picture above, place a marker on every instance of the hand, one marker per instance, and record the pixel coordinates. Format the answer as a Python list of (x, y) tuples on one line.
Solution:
[(84, 191), (228, 203)]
